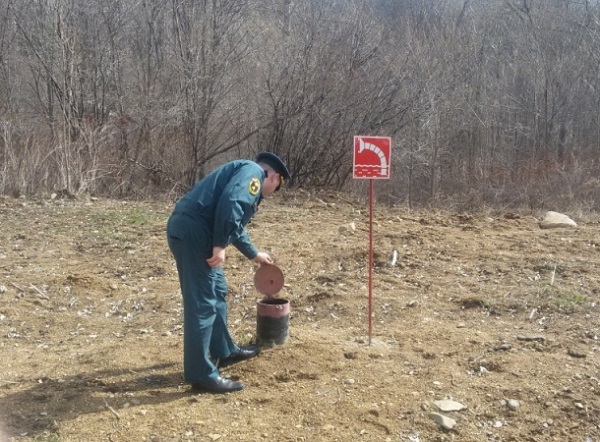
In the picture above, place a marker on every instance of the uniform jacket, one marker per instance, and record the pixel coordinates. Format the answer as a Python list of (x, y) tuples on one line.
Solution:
[(223, 203)]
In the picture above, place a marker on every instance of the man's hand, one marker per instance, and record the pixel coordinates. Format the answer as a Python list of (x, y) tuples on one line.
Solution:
[(218, 257), (263, 258)]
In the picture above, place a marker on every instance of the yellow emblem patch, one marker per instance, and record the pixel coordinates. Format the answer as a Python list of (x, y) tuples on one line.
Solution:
[(254, 186)]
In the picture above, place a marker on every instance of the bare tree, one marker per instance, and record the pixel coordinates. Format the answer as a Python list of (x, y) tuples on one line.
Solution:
[(487, 102), (208, 43)]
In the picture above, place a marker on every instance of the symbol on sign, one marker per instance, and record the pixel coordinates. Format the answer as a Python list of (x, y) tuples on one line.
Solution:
[(378, 152), (372, 157)]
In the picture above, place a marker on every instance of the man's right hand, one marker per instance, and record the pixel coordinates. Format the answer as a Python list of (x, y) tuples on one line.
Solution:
[(218, 257)]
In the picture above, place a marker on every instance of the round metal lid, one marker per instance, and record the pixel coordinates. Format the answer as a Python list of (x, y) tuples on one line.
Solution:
[(268, 279)]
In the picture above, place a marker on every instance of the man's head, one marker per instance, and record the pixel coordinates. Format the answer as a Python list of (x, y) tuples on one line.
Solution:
[(277, 173)]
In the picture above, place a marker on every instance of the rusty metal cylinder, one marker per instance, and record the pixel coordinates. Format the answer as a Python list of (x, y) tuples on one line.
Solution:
[(272, 322)]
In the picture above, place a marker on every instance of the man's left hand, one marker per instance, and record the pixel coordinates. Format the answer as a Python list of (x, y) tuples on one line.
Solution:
[(263, 258)]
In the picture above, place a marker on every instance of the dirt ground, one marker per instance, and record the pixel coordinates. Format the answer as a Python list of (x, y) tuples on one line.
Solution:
[(487, 310)]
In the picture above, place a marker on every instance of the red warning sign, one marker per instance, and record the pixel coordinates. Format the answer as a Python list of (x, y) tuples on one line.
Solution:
[(372, 157)]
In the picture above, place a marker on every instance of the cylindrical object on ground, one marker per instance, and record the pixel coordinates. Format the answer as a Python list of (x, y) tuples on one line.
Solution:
[(272, 322)]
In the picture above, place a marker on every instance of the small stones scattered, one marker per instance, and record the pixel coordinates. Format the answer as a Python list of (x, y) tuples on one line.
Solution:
[(445, 405)]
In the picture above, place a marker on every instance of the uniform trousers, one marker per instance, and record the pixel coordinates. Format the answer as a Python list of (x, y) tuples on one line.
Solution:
[(206, 337)]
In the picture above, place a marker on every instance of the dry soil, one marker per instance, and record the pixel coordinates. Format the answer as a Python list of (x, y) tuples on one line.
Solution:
[(486, 310)]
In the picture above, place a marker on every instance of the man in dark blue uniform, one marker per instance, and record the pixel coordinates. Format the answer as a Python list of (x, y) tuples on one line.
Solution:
[(212, 215)]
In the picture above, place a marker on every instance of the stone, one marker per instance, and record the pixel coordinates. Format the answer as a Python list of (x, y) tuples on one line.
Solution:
[(447, 423), (555, 220), (530, 338), (576, 353), (348, 228), (513, 404), (448, 405)]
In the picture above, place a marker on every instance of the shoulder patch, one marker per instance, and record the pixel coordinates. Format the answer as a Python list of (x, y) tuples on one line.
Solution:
[(254, 186)]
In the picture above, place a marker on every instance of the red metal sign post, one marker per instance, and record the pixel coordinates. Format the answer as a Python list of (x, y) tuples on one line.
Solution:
[(372, 160)]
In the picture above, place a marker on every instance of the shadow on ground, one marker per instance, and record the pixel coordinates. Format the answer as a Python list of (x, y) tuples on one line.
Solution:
[(48, 402)]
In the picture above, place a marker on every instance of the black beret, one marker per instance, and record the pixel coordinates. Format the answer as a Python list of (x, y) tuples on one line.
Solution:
[(272, 160)]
